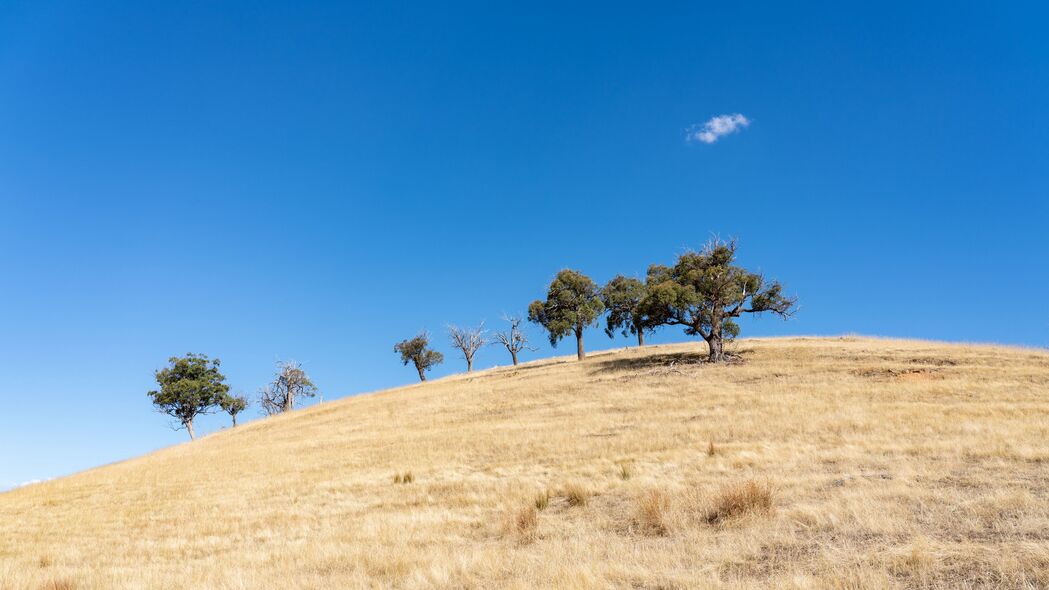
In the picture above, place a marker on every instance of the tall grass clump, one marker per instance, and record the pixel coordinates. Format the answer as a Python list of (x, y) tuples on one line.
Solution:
[(652, 515), (522, 524), (625, 470), (542, 500), (741, 499), (576, 494)]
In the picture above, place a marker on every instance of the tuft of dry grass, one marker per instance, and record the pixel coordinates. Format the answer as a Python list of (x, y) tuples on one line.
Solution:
[(576, 494), (625, 470), (739, 500), (542, 500), (523, 524), (711, 451), (882, 480), (653, 512)]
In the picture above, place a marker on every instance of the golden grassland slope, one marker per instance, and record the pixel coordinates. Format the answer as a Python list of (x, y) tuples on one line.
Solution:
[(814, 463)]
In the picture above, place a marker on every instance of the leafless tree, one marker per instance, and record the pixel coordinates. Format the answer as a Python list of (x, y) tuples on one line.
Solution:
[(513, 340), (468, 341), (290, 382)]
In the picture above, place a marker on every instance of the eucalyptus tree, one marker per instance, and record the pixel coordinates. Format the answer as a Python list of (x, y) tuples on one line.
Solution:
[(572, 304), (622, 297), (233, 405), (189, 387), (705, 292), (418, 352)]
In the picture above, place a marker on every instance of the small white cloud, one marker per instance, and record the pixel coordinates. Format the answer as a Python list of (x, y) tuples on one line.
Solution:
[(716, 127)]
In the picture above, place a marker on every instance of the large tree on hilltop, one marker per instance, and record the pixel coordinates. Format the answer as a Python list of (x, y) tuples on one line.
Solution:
[(622, 297), (192, 385), (705, 292), (572, 303)]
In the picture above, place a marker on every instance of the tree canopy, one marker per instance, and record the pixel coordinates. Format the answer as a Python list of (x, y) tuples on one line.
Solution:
[(622, 297), (233, 405), (190, 386), (418, 352), (572, 303), (705, 291)]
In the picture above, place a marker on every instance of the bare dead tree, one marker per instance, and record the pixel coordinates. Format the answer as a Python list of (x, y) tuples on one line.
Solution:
[(468, 341), (290, 382), (514, 339)]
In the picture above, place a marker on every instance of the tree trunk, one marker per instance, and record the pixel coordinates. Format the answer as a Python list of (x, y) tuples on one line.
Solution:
[(234, 416), (289, 401), (189, 428), (469, 365), (513, 353), (717, 348), (422, 375), (640, 337), (580, 353)]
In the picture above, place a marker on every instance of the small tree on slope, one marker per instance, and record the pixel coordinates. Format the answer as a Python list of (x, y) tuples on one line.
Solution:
[(418, 352), (572, 303), (233, 405), (468, 341), (190, 386), (705, 292), (514, 339), (289, 383)]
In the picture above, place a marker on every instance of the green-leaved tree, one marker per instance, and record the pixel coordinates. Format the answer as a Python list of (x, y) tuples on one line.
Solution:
[(572, 303), (192, 385), (418, 352), (233, 405), (705, 292), (622, 297)]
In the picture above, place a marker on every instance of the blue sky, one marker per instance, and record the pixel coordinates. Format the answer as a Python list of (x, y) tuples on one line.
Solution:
[(264, 181)]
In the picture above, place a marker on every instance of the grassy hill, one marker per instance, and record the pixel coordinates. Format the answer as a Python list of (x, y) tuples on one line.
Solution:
[(814, 463)]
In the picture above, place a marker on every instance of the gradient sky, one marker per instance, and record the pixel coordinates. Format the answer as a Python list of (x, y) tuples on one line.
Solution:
[(260, 181)]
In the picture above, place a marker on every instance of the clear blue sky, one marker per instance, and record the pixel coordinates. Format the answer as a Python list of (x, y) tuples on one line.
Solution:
[(263, 181)]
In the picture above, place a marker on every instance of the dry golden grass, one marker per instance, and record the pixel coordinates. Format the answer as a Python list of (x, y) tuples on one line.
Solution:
[(748, 498), (576, 494), (894, 464), (654, 512), (523, 524)]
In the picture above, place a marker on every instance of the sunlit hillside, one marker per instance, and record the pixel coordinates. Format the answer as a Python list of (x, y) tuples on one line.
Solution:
[(812, 463)]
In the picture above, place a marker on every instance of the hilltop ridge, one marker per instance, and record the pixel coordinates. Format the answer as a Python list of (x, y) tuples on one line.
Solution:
[(850, 462)]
